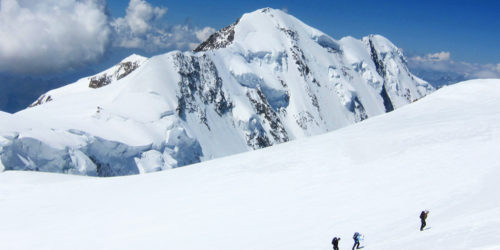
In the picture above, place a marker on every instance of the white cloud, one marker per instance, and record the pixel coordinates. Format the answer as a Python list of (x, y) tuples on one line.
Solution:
[(142, 28), (53, 35), (204, 33), (439, 56), (439, 67), (41, 36), (487, 71), (139, 18), (140, 14)]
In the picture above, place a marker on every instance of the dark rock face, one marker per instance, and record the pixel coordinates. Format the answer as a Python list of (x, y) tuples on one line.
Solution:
[(298, 56), (297, 53), (379, 65), (387, 101), (124, 69), (267, 118), (219, 39), (256, 136), (200, 81), (356, 107), (304, 118), (127, 67), (99, 81), (41, 100)]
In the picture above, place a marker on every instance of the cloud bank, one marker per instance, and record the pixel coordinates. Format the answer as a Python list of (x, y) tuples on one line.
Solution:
[(47, 36), (142, 28), (40, 36), (439, 69), (436, 57)]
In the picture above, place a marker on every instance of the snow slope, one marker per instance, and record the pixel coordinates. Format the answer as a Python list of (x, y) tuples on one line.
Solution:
[(87, 84), (264, 80), (439, 153)]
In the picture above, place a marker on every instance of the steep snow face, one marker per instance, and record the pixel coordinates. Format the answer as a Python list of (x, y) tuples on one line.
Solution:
[(266, 79), (440, 153), (400, 86), (113, 74)]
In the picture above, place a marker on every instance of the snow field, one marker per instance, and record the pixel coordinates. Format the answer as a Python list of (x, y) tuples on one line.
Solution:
[(374, 177)]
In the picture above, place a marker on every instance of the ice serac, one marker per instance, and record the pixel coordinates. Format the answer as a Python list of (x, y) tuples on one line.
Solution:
[(266, 79)]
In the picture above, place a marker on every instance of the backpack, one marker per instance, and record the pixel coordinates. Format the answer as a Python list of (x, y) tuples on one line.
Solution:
[(356, 235), (423, 215), (335, 241)]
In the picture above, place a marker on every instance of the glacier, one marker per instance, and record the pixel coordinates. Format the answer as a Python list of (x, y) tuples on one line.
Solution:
[(266, 79)]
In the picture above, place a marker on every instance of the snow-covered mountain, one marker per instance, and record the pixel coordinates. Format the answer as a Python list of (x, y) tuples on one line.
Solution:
[(111, 75), (266, 79), (440, 153)]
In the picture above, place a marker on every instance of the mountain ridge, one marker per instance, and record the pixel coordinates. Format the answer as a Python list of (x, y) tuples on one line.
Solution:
[(273, 79)]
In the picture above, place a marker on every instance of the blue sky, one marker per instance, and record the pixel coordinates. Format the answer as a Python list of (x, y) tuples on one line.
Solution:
[(46, 44), (469, 30)]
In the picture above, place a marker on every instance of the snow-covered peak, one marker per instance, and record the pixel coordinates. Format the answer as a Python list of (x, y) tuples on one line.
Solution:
[(272, 29), (117, 72), (265, 30), (382, 44), (266, 79), (268, 20), (134, 58)]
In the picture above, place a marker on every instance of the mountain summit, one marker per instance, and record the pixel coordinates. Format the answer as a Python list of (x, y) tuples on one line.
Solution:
[(268, 78)]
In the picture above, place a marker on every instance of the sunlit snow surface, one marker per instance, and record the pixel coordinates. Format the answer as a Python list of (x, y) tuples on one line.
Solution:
[(277, 80), (440, 153)]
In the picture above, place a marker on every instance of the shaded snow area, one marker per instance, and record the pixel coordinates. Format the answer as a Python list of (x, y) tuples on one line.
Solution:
[(439, 153), (264, 80)]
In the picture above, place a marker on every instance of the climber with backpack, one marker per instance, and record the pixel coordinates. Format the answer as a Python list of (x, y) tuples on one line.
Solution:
[(357, 238), (335, 243), (423, 216)]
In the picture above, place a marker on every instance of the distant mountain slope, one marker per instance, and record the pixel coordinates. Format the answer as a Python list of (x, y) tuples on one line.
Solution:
[(113, 74), (264, 80), (440, 153)]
